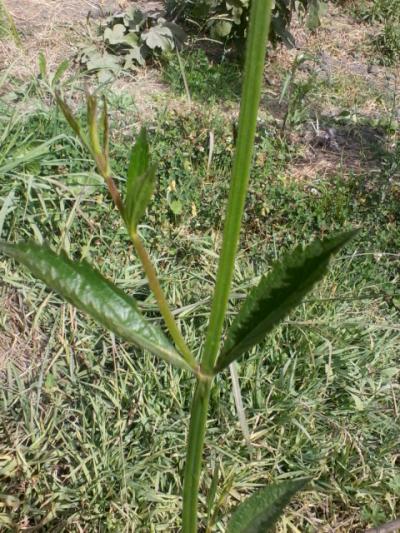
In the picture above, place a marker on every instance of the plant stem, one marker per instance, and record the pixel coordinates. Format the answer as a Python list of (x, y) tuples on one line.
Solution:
[(162, 302), (253, 75), (255, 54), (197, 429), (152, 279)]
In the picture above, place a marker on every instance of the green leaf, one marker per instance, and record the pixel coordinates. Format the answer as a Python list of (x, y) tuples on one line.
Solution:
[(68, 114), (59, 73), (136, 203), (89, 291), (115, 35), (139, 160), (316, 10), (135, 56), (222, 28), (140, 183), (177, 32), (176, 207), (42, 65), (160, 37), (277, 294), (259, 513), (99, 62), (135, 19)]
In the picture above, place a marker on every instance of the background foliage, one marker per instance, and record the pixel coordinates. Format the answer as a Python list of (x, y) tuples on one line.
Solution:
[(227, 20)]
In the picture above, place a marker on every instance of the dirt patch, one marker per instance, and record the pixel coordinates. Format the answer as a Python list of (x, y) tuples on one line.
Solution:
[(340, 56), (341, 47), (33, 15), (58, 29), (330, 150), (19, 344), (51, 26)]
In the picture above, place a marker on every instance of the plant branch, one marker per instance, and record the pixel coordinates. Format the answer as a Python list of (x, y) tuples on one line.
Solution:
[(162, 302), (100, 154), (253, 76), (114, 193)]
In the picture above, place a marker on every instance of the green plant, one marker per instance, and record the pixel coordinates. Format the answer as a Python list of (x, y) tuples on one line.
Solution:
[(51, 80), (227, 20), (128, 40), (387, 43), (265, 307), (7, 24), (296, 92), (207, 81), (377, 11)]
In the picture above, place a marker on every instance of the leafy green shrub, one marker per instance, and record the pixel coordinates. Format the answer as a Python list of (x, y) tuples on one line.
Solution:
[(129, 39), (227, 19)]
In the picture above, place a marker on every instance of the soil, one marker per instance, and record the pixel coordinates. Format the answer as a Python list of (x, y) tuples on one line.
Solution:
[(55, 27)]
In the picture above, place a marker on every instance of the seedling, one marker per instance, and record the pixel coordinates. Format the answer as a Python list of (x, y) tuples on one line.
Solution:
[(265, 307)]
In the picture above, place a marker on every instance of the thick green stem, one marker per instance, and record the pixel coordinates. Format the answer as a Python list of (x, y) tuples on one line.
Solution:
[(253, 75), (256, 44), (197, 430)]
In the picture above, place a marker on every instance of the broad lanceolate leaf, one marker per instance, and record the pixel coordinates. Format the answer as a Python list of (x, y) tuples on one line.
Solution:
[(89, 291), (277, 294), (140, 182), (59, 73), (139, 160), (68, 114), (260, 512)]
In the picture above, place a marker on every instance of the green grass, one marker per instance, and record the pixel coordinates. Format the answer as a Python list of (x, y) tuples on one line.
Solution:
[(208, 80), (385, 45), (93, 437)]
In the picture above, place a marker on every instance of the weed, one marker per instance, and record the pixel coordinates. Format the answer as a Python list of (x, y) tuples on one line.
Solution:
[(377, 11), (387, 44), (319, 403), (208, 81)]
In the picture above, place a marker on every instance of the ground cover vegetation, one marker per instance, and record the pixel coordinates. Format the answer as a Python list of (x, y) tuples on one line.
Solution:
[(321, 393), (386, 43)]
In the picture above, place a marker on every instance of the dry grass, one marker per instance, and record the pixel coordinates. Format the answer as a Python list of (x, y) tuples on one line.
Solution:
[(49, 26), (19, 343)]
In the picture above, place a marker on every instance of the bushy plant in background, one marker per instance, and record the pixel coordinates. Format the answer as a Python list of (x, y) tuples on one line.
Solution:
[(377, 11), (387, 44), (129, 39), (226, 20)]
